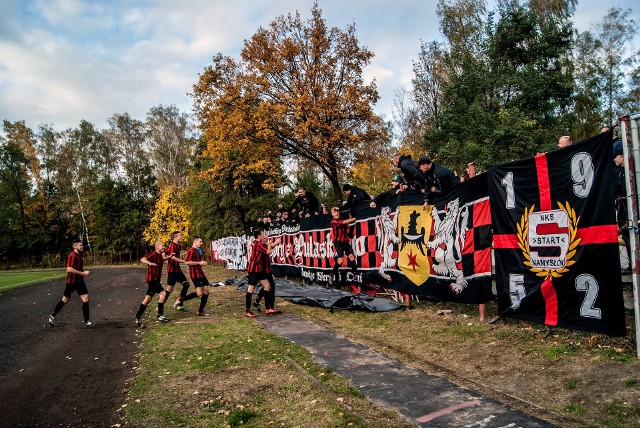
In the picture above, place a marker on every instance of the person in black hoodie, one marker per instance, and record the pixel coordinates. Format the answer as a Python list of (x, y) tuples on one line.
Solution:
[(620, 193), (410, 172), (384, 198), (354, 195), (439, 178), (307, 202)]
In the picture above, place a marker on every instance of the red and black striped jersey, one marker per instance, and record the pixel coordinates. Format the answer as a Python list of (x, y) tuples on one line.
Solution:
[(172, 265), (260, 260), (195, 271), (76, 261), (340, 230), (154, 272)]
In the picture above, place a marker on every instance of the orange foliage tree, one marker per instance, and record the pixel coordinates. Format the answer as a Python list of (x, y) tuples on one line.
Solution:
[(297, 91)]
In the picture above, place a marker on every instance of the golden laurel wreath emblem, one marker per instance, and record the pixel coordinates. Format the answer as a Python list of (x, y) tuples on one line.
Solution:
[(523, 242)]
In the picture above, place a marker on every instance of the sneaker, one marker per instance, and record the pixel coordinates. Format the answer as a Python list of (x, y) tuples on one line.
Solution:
[(88, 323), (138, 323), (272, 311), (250, 314), (52, 319), (256, 305), (162, 318), (202, 314), (177, 304)]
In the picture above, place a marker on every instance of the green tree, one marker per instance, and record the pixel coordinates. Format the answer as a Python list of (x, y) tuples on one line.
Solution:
[(510, 101), (14, 194), (127, 136), (171, 142), (118, 218), (614, 33)]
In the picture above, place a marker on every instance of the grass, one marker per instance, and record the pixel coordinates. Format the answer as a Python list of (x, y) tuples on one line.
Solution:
[(572, 383), (226, 370), (15, 279), (219, 371)]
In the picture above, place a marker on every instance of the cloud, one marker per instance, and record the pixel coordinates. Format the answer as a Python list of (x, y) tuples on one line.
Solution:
[(66, 60)]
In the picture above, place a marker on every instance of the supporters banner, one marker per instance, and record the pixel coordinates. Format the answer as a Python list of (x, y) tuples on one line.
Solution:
[(556, 240), (232, 250), (442, 252)]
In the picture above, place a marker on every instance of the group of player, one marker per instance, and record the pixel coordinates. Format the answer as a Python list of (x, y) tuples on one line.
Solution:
[(259, 273), (154, 261)]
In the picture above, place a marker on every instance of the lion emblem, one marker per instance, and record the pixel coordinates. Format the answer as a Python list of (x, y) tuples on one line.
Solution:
[(386, 234), (450, 234)]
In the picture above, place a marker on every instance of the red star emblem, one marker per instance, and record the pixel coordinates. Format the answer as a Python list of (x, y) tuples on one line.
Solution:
[(412, 260)]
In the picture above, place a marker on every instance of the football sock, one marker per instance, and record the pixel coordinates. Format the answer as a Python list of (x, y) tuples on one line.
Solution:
[(58, 307), (190, 296), (160, 308), (247, 301), (85, 310), (261, 294), (270, 299), (203, 302), (185, 288), (141, 310), (336, 268)]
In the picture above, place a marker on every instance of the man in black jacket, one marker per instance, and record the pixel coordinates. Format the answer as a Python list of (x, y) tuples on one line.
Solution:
[(384, 198), (439, 178), (307, 202), (354, 196), (409, 169)]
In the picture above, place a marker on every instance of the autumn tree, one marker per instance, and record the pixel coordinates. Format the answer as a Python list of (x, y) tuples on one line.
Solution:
[(297, 91), (170, 214)]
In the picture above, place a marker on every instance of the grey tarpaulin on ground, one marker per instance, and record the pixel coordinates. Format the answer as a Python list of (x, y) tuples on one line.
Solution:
[(330, 298)]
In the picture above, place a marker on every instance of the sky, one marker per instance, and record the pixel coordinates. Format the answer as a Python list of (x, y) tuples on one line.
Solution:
[(62, 61)]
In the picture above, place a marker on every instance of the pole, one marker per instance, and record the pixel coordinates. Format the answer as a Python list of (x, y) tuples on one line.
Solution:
[(471, 167), (631, 152)]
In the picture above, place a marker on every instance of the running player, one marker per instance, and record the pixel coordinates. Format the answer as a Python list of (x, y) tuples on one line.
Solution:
[(154, 261), (259, 271), (174, 273), (75, 282), (200, 281)]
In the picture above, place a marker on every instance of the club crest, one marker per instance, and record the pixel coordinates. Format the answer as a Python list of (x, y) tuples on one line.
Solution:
[(548, 240), (414, 226)]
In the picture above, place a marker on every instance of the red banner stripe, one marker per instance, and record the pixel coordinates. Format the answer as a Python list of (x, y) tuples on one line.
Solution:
[(606, 234), (550, 302), (544, 187), (505, 241)]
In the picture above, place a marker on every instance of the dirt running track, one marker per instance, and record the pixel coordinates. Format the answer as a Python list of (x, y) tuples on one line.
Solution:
[(69, 375)]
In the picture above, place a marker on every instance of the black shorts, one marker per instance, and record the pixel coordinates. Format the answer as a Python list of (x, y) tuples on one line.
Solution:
[(154, 287), (254, 278), (173, 277), (80, 288), (200, 282), (343, 248)]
